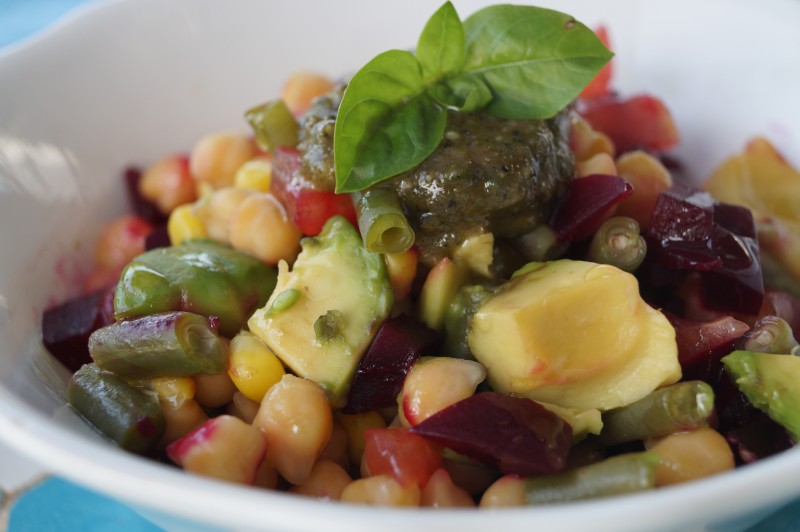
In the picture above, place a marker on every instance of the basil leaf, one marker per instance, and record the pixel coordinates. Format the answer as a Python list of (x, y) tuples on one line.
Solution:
[(471, 92), (441, 49), (386, 124), (534, 60)]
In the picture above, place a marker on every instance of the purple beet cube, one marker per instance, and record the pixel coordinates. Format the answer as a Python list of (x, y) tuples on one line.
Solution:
[(514, 435), (66, 328), (690, 231), (379, 377)]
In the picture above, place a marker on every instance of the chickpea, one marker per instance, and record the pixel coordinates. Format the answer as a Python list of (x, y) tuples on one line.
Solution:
[(261, 227), (215, 158), (216, 211), (301, 88), (168, 183), (507, 491), (688, 456), (296, 418), (327, 481), (441, 492), (214, 390), (381, 490)]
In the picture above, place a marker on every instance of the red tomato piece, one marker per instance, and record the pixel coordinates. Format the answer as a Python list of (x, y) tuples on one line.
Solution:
[(309, 208), (409, 458), (598, 87), (638, 122)]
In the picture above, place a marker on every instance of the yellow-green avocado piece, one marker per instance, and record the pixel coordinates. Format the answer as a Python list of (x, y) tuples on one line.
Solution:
[(324, 313), (771, 383), (574, 334)]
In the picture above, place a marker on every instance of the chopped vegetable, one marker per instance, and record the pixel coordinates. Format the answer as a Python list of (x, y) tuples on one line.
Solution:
[(170, 344)]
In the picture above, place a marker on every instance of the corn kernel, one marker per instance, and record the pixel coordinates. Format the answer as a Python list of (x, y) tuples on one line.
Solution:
[(255, 174), (174, 391), (183, 224), (253, 367)]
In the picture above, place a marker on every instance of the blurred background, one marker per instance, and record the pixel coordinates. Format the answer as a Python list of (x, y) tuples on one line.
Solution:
[(22, 18)]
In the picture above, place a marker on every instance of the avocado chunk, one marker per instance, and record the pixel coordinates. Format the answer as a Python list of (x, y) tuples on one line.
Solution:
[(769, 381), (573, 334), (324, 313)]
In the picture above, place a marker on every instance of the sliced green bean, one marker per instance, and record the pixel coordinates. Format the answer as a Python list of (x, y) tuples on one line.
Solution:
[(619, 243), (625, 473), (770, 334), (126, 415), (273, 125), (678, 407), (169, 344), (383, 225)]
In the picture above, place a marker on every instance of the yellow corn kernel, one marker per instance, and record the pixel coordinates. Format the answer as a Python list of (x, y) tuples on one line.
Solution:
[(183, 224), (173, 391), (356, 425), (255, 174), (252, 366)]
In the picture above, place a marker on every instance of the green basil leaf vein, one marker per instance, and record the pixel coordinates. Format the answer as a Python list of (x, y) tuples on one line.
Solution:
[(534, 60), (386, 124), (441, 47)]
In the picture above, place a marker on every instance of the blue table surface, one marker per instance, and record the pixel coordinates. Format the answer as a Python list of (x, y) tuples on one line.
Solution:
[(60, 506)]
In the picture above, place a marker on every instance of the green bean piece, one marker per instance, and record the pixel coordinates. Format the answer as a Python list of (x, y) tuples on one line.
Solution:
[(126, 415), (770, 334), (383, 225), (169, 344), (674, 408), (618, 243), (540, 245), (625, 473), (273, 124)]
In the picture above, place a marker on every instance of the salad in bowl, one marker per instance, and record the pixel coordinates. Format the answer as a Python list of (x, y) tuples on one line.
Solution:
[(477, 276)]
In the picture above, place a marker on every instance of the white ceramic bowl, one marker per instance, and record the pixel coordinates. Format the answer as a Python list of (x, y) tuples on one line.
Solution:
[(129, 81)]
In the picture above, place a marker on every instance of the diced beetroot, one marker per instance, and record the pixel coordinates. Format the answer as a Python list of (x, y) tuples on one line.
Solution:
[(140, 206), (691, 231), (588, 199), (379, 377), (701, 344), (309, 208), (757, 438), (157, 238), (66, 328), (641, 122), (514, 435), (783, 305)]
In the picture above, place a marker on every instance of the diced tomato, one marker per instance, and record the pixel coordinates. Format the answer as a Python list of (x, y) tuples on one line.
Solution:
[(599, 85), (308, 208), (409, 458), (638, 122)]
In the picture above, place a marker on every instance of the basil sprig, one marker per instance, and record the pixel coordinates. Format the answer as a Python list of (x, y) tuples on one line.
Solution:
[(519, 62)]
